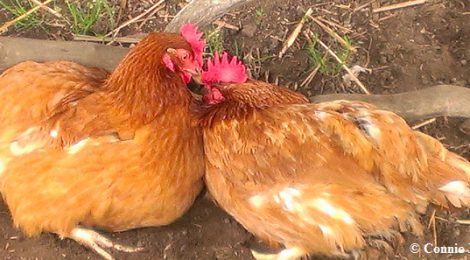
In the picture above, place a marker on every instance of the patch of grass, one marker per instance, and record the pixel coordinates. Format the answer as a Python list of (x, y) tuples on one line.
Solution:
[(237, 49), (328, 65), (259, 14), (214, 42), (344, 54), (18, 8), (87, 14)]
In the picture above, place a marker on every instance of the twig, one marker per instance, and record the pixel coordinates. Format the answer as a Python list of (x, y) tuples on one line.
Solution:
[(334, 24), (150, 16), (327, 12), (133, 20), (122, 6), (333, 34), (442, 219), (463, 221), (381, 19), (368, 54), (50, 10), (275, 38), (295, 33), (310, 76), (433, 214), (359, 8), (358, 82), (347, 7), (88, 38), (374, 24), (432, 222), (427, 122), (226, 25), (6, 25), (459, 146), (398, 6)]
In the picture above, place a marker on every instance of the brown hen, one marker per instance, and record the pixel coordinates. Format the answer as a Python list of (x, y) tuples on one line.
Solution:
[(80, 148), (318, 178)]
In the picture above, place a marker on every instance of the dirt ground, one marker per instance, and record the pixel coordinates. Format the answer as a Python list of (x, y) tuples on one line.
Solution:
[(407, 49)]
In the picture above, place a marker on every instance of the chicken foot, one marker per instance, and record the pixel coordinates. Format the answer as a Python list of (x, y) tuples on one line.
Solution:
[(295, 253), (96, 242), (285, 254)]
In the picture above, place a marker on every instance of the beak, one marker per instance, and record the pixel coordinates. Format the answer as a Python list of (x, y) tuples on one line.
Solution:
[(197, 90), (196, 75)]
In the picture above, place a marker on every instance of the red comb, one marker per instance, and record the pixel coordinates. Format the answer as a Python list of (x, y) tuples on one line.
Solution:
[(221, 70), (191, 34)]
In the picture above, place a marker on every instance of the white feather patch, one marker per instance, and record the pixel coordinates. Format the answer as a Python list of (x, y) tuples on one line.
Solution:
[(337, 213), (257, 200), (17, 149), (288, 198), (291, 253), (54, 133), (326, 230), (459, 188), (321, 114), (75, 148), (371, 128)]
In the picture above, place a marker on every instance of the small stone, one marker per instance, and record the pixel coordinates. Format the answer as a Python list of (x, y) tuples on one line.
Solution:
[(456, 232), (383, 59), (425, 80), (226, 220), (265, 50), (465, 127), (274, 43), (463, 62), (249, 30)]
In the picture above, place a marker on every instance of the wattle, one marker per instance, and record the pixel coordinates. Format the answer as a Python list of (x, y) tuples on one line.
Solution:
[(186, 77), (212, 95)]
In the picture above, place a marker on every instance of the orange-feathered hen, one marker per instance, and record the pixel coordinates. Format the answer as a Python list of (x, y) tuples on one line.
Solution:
[(80, 148), (318, 178)]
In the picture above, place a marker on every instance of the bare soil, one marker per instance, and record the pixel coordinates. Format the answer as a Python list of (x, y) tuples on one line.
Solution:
[(406, 49)]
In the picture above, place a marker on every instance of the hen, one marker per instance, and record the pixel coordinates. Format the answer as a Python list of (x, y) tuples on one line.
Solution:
[(318, 178), (80, 148)]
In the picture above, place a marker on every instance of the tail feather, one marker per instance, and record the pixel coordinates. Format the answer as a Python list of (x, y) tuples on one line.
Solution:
[(449, 174), (459, 162)]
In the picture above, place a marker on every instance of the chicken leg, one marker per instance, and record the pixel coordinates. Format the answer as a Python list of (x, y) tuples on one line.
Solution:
[(96, 242)]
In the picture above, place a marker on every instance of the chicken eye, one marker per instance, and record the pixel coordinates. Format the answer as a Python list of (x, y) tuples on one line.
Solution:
[(185, 56)]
